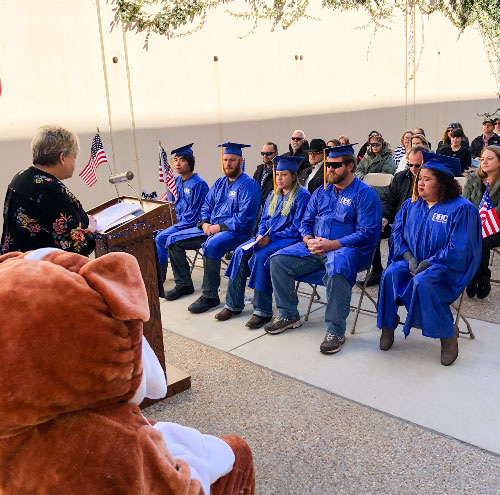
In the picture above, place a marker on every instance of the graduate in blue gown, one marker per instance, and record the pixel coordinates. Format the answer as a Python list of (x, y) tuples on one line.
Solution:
[(228, 218), (278, 228), (191, 193), (434, 252), (340, 229)]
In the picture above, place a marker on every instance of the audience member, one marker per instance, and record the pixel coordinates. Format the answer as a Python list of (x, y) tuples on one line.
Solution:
[(332, 143), (456, 149), (362, 150), (278, 228), (397, 193), (497, 125), (344, 140), (378, 160), (297, 147), (419, 130), (191, 193), (340, 229), (488, 138), (403, 148), (227, 219), (416, 140), (433, 255), (39, 210), (313, 176), (488, 172), (264, 173)]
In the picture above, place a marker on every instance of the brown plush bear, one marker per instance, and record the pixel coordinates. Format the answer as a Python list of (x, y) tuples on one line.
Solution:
[(70, 360)]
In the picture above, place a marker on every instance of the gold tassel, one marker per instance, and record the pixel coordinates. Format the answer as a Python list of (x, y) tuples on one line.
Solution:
[(222, 159), (274, 178), (324, 169), (414, 195)]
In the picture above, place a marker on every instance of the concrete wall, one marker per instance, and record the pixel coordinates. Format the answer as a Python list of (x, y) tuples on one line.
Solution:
[(348, 82)]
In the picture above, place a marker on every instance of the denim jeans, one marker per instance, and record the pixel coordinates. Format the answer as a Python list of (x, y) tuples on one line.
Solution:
[(285, 268), (235, 295)]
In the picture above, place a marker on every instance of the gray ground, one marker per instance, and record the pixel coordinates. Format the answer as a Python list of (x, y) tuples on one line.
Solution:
[(306, 441)]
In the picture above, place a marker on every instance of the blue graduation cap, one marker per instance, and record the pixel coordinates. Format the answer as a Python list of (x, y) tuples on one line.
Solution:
[(183, 150), (233, 148), (346, 150), (446, 164), (290, 163)]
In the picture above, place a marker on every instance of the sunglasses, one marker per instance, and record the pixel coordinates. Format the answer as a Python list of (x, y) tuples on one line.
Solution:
[(375, 144), (334, 165), (297, 139), (267, 153), (414, 164)]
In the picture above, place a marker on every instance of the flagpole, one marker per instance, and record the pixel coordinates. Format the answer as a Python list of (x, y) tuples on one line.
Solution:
[(166, 185), (109, 167)]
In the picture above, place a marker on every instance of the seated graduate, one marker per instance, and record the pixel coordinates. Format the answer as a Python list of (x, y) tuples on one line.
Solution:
[(228, 218), (278, 228), (340, 230), (434, 252), (191, 193)]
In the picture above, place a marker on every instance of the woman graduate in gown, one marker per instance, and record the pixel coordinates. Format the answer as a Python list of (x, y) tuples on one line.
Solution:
[(278, 228), (434, 252)]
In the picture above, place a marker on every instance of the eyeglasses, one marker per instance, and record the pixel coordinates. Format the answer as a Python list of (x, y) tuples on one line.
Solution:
[(497, 123), (334, 165), (267, 153), (375, 144), (297, 139), (414, 164)]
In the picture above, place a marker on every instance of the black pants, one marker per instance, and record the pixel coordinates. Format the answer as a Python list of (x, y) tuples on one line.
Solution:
[(377, 257), (483, 273)]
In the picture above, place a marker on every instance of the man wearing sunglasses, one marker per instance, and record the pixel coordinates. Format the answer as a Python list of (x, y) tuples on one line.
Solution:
[(298, 144), (264, 173), (340, 229)]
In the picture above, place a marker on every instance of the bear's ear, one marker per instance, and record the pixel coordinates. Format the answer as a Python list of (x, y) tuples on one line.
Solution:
[(117, 277)]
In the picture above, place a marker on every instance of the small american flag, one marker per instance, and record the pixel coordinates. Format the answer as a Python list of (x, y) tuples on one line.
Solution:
[(97, 156), (489, 217), (166, 175)]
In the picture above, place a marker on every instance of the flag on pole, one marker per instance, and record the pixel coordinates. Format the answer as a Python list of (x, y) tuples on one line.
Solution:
[(166, 175), (489, 217), (97, 156)]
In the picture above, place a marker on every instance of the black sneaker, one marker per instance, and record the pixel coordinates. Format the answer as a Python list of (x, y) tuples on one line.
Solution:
[(280, 324), (472, 289), (203, 304), (177, 292), (331, 343)]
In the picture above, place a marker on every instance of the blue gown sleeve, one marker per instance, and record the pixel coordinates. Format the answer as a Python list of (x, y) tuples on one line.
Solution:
[(368, 221), (243, 220), (310, 213), (397, 243), (292, 226), (208, 205), (192, 215)]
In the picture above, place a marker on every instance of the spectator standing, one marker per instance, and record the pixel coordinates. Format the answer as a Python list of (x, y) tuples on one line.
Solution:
[(488, 138)]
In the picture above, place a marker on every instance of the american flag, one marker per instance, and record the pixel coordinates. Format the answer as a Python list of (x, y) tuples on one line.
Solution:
[(97, 156), (166, 175), (489, 217)]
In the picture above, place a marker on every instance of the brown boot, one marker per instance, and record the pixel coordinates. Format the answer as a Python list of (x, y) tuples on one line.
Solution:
[(225, 314), (449, 349), (257, 321), (386, 338)]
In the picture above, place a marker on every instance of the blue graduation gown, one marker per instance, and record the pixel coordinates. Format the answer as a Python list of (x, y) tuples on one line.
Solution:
[(284, 231), (353, 216), (191, 195), (234, 204), (448, 235)]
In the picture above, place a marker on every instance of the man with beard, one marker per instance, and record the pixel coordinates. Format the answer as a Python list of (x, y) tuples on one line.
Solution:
[(340, 230), (228, 217)]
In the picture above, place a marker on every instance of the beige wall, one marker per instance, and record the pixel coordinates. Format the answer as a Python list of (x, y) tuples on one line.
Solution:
[(348, 82)]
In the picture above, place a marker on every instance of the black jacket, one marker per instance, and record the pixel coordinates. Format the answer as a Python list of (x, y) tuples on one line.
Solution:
[(300, 152), (313, 183), (267, 187), (463, 154), (477, 144), (396, 194)]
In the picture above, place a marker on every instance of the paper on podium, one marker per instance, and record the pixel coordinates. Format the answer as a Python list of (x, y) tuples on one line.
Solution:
[(117, 213)]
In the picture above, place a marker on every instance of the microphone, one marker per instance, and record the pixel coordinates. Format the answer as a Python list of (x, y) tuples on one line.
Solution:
[(123, 177)]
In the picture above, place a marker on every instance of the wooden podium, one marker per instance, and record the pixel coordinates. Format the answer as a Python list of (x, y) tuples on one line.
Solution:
[(136, 237)]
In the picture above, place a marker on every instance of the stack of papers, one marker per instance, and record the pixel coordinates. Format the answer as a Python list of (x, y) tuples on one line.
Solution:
[(116, 215)]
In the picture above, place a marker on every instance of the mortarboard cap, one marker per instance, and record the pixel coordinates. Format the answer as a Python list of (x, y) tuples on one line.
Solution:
[(446, 164), (233, 148), (346, 150), (183, 150), (290, 163)]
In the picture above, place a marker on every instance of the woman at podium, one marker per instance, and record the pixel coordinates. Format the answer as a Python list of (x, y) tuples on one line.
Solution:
[(39, 210)]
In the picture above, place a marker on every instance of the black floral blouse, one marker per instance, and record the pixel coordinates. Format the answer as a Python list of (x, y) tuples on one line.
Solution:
[(40, 211)]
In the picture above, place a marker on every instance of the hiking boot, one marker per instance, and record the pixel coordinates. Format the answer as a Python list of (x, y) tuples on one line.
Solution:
[(257, 321), (472, 289), (203, 304), (386, 339), (225, 314), (373, 279), (177, 292), (280, 324), (331, 343), (449, 349)]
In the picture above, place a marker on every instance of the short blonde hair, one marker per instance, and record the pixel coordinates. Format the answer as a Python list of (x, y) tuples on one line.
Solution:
[(50, 141)]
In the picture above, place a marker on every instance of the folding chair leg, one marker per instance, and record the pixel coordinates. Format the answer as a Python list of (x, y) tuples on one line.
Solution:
[(358, 308), (196, 253), (459, 315), (306, 317)]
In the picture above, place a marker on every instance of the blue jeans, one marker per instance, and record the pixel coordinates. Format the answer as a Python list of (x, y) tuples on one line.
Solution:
[(235, 295), (285, 268)]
